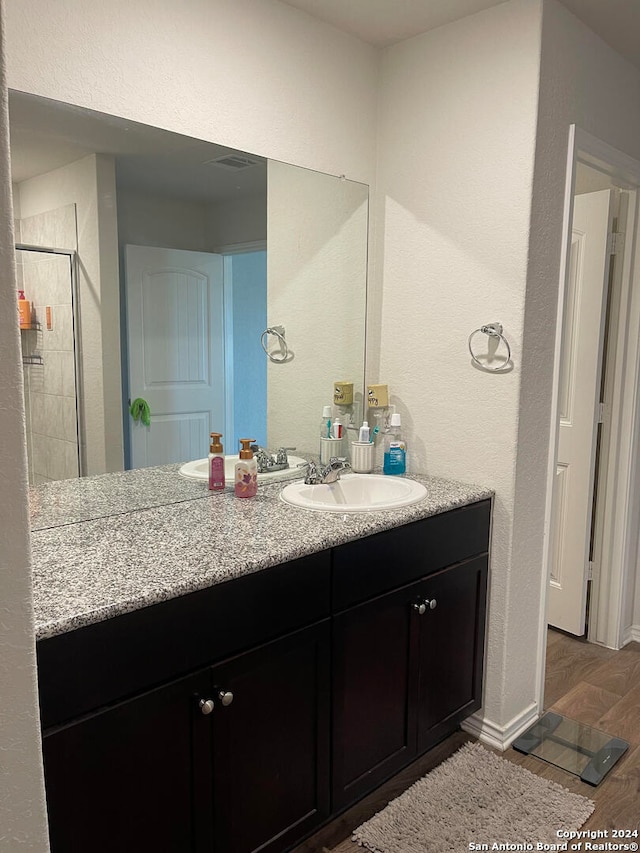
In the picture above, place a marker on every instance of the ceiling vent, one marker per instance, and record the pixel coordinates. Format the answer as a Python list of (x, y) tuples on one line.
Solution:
[(232, 161)]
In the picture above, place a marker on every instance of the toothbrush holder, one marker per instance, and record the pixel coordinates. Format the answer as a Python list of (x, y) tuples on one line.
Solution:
[(330, 447), (362, 457)]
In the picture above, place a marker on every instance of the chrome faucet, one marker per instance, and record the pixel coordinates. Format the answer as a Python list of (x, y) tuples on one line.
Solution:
[(330, 474), (268, 463)]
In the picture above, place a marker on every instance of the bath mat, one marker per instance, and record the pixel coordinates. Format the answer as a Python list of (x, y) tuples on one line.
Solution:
[(475, 797)]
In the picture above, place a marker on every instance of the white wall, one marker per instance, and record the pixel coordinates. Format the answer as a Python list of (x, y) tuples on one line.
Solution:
[(89, 183), (256, 75), (316, 280), (584, 82), (23, 823), (457, 131)]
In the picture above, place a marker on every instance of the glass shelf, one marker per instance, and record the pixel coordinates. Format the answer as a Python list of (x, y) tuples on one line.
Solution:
[(34, 358)]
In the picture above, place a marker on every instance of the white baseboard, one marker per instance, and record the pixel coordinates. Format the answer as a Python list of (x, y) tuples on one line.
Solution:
[(497, 736), (631, 635)]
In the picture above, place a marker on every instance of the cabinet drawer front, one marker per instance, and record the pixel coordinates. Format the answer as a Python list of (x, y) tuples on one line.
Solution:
[(395, 557), (85, 669)]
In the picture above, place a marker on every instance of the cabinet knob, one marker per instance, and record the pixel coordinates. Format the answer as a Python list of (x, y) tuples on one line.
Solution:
[(225, 696), (206, 706), (431, 604), (421, 607)]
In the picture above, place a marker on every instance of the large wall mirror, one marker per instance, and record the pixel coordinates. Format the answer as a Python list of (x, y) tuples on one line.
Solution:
[(153, 263)]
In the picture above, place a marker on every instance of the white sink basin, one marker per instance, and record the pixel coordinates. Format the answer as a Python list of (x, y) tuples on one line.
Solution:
[(199, 470), (356, 493)]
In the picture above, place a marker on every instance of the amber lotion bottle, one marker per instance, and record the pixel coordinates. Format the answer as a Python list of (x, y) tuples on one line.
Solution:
[(216, 463), (246, 471)]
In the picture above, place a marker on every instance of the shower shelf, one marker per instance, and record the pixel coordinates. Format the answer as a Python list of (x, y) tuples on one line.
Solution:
[(34, 358)]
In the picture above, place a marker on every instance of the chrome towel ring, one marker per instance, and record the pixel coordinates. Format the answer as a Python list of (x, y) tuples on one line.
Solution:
[(493, 330), (278, 332)]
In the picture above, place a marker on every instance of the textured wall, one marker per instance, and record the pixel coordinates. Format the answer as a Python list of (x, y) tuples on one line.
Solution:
[(452, 223), (251, 74), (316, 280), (23, 823)]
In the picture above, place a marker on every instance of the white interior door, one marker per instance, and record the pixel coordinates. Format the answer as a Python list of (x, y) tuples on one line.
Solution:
[(175, 332), (582, 344)]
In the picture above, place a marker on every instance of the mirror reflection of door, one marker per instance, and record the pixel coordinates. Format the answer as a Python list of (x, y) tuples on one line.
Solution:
[(194, 321), (175, 334), (580, 389), (49, 364)]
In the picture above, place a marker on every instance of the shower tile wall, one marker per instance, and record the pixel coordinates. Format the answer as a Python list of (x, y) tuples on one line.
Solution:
[(50, 387)]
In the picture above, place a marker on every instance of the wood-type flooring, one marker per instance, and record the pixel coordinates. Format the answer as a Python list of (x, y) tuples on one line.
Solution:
[(588, 683)]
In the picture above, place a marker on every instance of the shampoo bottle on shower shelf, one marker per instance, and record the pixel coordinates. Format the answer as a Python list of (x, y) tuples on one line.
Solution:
[(246, 484), (395, 448), (24, 310), (216, 463)]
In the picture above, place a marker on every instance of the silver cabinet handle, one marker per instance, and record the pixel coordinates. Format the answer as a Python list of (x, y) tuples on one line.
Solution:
[(226, 697), (431, 604), (206, 706), (421, 607)]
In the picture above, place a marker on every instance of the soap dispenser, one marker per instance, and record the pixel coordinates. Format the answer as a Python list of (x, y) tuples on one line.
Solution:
[(246, 484), (216, 463)]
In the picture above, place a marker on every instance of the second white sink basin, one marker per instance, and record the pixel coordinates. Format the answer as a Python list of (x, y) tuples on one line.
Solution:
[(199, 470), (356, 493)]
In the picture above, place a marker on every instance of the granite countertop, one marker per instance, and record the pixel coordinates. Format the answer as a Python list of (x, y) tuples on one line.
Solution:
[(90, 570)]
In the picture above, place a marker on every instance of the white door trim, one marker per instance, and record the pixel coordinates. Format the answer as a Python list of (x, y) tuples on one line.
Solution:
[(625, 497)]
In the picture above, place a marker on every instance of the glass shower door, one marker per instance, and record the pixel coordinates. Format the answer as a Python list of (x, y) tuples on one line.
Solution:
[(48, 335)]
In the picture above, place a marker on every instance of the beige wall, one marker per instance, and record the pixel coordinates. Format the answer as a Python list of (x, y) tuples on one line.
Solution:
[(23, 822), (316, 274), (452, 228)]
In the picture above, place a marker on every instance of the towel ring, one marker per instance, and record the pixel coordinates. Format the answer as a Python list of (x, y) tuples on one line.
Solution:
[(278, 332), (493, 330)]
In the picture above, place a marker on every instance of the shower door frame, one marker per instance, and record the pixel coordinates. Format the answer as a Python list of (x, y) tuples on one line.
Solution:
[(72, 255)]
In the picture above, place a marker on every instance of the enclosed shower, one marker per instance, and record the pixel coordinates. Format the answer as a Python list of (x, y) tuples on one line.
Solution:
[(48, 332)]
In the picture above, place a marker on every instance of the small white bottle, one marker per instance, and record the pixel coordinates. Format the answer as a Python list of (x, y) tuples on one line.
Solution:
[(336, 429), (246, 479), (364, 434), (216, 463)]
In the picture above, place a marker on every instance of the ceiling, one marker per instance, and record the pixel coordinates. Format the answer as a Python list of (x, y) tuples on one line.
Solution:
[(383, 22), (47, 134)]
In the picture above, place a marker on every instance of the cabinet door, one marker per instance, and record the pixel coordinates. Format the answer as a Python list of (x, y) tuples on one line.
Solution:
[(374, 692), (133, 777), (271, 743), (451, 649)]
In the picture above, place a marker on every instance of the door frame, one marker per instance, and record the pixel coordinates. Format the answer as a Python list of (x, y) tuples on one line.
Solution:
[(622, 497)]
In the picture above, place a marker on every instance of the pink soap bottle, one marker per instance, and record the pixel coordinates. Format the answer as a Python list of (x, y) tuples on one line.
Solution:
[(216, 463), (246, 471)]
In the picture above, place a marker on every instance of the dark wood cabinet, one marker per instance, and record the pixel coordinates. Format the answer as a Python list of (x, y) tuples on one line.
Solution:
[(325, 676), (451, 649), (133, 777), (375, 657), (156, 773), (271, 744), (407, 669)]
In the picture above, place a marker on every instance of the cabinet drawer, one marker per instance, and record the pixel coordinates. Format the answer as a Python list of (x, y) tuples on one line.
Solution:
[(395, 557), (102, 663)]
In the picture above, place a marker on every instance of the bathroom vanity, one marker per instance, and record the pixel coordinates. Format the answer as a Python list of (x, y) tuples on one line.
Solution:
[(273, 667)]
